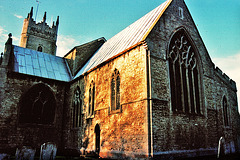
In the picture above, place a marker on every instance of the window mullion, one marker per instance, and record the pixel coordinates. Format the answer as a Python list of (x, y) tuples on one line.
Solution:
[(182, 89), (194, 93), (188, 91)]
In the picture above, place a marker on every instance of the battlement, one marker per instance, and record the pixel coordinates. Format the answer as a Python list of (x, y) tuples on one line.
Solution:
[(39, 36), (225, 78), (42, 29)]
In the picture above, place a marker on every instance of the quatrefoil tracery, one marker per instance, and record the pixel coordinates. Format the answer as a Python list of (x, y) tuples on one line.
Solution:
[(182, 51)]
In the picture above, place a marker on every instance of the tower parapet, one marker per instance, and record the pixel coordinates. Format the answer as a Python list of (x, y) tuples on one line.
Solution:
[(39, 36)]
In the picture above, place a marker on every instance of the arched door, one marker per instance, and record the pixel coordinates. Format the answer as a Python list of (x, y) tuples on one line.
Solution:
[(97, 138)]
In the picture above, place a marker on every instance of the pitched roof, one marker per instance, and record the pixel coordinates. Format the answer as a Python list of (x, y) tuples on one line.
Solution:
[(79, 55), (130, 36), (40, 64)]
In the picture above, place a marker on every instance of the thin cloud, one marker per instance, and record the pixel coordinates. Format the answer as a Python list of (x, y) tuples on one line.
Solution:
[(65, 44), (18, 16), (3, 38)]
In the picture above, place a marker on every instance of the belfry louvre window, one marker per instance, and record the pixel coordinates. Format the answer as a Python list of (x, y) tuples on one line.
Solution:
[(91, 99), (115, 91), (77, 109), (37, 105), (184, 75), (40, 48), (225, 111)]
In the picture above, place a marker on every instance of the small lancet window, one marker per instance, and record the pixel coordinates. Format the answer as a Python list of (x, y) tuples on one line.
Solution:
[(184, 75), (225, 111), (77, 109), (40, 49), (37, 105), (180, 12), (91, 99), (115, 91)]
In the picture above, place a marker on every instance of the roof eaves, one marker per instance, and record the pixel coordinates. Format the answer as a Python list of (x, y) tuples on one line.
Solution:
[(119, 54), (68, 69)]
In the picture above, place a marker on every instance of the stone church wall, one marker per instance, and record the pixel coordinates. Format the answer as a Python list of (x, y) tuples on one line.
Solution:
[(39, 34), (124, 132), (183, 132), (14, 134), (48, 46)]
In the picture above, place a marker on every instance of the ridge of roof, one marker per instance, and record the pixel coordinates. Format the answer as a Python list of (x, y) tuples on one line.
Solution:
[(128, 37), (155, 22), (85, 44)]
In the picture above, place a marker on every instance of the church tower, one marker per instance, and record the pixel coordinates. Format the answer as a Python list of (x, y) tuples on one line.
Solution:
[(39, 36)]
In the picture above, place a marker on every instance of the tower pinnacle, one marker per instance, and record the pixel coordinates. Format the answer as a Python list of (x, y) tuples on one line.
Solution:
[(44, 17), (30, 14)]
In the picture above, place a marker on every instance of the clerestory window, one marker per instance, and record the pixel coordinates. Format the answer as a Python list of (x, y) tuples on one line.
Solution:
[(184, 75), (115, 91), (77, 109), (91, 99), (37, 105)]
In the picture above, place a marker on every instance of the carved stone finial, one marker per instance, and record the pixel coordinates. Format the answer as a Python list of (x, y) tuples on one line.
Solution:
[(145, 45), (9, 41)]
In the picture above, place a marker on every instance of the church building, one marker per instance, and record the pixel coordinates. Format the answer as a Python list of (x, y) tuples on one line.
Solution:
[(151, 91)]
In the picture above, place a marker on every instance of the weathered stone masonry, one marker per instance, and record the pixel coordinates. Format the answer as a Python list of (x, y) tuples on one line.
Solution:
[(149, 120), (120, 132)]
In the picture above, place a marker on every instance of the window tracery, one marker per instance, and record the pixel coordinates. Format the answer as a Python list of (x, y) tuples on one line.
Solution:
[(184, 75), (38, 105), (115, 91)]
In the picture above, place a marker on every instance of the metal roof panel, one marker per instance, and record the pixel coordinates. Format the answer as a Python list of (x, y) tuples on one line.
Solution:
[(130, 36), (40, 64)]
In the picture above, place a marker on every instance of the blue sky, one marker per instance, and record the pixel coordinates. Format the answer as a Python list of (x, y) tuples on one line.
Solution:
[(218, 22)]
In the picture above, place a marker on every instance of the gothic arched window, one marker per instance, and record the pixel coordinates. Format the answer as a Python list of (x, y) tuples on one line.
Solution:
[(77, 109), (184, 74), (115, 91), (91, 99), (40, 49), (225, 111), (38, 105)]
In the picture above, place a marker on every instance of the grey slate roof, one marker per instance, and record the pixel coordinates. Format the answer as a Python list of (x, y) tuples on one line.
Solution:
[(130, 36), (40, 64), (79, 55)]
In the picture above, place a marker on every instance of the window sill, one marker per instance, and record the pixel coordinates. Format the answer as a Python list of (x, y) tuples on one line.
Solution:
[(90, 117), (186, 113), (115, 111), (76, 129), (227, 127)]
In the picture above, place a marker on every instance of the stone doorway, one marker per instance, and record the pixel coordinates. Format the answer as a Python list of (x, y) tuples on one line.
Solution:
[(97, 138)]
